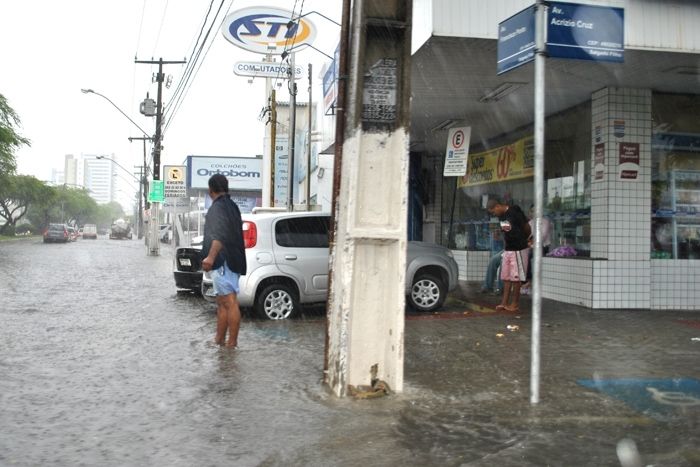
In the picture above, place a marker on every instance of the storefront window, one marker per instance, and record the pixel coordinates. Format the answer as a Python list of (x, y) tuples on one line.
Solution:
[(675, 175), (506, 172)]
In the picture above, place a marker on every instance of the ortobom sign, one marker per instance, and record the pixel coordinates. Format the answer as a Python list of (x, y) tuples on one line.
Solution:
[(243, 173), (267, 30)]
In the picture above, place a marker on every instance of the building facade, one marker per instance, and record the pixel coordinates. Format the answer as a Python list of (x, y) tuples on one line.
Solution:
[(98, 178), (622, 151)]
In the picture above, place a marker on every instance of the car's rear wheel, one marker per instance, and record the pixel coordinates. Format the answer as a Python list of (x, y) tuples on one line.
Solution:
[(277, 301), (428, 292)]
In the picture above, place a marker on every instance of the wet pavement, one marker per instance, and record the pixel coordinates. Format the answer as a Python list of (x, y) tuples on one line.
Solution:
[(102, 362)]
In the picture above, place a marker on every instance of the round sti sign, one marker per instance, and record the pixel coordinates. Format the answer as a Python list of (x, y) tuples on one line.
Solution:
[(267, 30)]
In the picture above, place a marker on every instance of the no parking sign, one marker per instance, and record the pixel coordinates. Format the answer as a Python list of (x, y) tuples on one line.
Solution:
[(457, 152)]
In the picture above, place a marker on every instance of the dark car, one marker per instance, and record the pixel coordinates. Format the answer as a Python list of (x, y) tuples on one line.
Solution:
[(57, 233)]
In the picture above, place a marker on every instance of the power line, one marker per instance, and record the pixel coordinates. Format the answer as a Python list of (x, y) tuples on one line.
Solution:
[(191, 61), (198, 64)]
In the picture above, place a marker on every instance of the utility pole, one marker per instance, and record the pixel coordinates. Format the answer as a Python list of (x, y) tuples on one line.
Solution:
[(273, 144), (292, 130), (366, 302), (139, 231), (308, 154), (143, 185), (154, 247)]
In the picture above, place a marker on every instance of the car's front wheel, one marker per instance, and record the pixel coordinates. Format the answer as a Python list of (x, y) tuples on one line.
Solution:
[(276, 301), (428, 292)]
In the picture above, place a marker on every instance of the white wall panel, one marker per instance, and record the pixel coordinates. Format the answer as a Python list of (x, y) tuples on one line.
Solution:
[(668, 25)]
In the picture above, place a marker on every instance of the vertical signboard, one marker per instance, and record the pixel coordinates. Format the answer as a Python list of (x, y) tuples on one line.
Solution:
[(628, 166), (457, 152), (281, 161)]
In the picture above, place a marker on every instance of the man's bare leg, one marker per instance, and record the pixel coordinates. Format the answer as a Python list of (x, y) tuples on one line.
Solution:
[(516, 297), (221, 320), (233, 314), (506, 294)]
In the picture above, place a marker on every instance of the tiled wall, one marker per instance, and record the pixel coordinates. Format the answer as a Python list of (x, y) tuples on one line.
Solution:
[(620, 208), (567, 280), (621, 198), (674, 284), (472, 264), (621, 284)]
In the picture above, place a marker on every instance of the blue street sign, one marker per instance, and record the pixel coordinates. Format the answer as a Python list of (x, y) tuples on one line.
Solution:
[(516, 40), (585, 32)]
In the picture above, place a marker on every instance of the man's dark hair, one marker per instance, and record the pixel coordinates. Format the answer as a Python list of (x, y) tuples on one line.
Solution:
[(218, 184), (492, 203)]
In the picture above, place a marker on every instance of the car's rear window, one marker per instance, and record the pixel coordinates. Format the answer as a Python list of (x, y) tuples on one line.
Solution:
[(303, 232), (56, 227)]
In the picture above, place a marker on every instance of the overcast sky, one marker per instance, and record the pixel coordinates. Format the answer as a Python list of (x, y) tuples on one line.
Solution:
[(52, 49)]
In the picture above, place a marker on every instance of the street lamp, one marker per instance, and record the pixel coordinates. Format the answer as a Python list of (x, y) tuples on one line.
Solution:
[(90, 91), (120, 166), (142, 186), (153, 248)]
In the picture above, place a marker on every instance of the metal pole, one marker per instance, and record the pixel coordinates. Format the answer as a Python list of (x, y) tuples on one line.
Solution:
[(540, 18), (292, 128), (139, 230), (308, 152), (273, 144)]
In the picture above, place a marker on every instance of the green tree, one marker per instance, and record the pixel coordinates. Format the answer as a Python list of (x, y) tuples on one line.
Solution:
[(107, 213), (10, 140), (17, 193), (40, 213)]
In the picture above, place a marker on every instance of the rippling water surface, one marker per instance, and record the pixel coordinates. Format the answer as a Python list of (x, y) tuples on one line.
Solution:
[(102, 362)]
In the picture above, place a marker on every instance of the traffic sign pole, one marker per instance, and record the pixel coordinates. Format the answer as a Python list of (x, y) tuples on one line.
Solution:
[(540, 61)]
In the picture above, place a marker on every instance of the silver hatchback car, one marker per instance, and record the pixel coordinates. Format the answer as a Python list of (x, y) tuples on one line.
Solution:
[(287, 256)]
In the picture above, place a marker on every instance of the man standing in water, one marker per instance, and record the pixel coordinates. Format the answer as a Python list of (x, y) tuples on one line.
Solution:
[(224, 254), (516, 231)]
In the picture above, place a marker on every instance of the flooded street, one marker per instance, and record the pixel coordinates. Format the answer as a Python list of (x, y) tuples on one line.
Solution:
[(103, 363)]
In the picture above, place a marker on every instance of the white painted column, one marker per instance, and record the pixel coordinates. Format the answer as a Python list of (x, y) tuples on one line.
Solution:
[(368, 255)]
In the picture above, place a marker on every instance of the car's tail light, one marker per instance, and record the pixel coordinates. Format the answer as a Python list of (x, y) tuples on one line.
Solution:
[(250, 234)]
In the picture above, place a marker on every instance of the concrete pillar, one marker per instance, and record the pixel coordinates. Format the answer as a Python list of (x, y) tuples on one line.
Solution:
[(621, 197), (368, 255)]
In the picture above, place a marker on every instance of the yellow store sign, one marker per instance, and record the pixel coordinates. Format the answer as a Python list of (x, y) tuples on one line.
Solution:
[(509, 162)]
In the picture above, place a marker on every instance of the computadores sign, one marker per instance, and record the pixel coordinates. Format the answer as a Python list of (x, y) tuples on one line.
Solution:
[(267, 30), (243, 173)]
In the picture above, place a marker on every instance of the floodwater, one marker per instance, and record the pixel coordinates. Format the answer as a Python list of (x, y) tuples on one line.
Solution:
[(103, 363)]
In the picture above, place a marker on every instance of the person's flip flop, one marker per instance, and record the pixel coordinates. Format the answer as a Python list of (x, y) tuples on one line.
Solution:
[(501, 307), (512, 310)]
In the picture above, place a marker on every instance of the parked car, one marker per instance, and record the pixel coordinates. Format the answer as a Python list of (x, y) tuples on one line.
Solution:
[(73, 233), (188, 266), (287, 255), (57, 233), (90, 231)]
